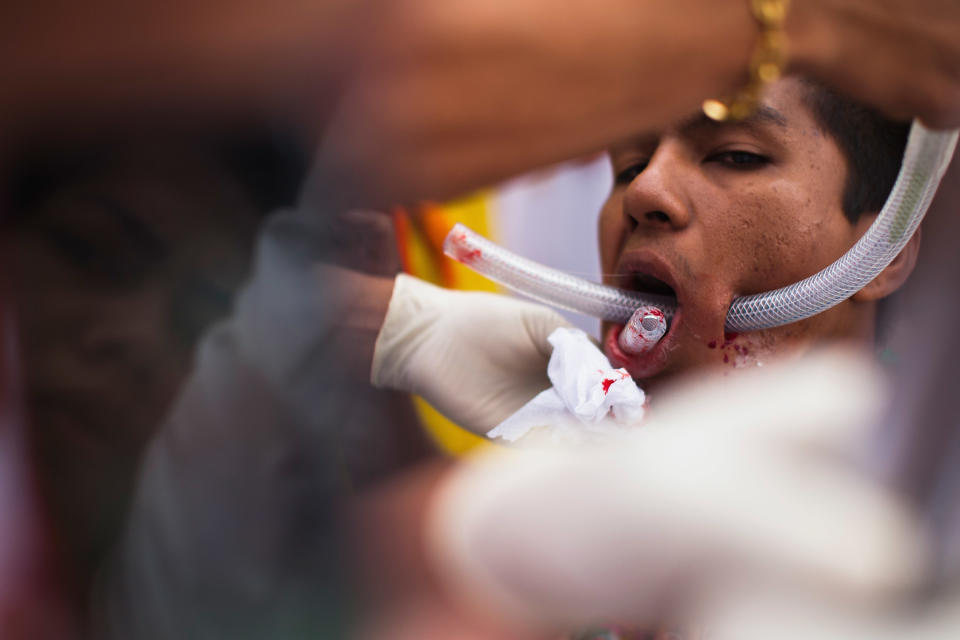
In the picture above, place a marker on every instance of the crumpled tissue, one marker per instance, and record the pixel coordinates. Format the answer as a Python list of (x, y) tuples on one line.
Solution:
[(588, 397)]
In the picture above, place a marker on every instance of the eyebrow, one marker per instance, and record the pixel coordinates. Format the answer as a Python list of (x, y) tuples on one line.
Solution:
[(762, 115)]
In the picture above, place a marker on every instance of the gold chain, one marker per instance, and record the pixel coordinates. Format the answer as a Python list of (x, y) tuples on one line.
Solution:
[(766, 64)]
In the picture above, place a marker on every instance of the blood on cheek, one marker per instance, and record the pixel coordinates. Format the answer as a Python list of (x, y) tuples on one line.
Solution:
[(730, 347)]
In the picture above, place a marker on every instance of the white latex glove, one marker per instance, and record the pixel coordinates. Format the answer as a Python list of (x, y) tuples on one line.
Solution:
[(745, 477), (476, 357)]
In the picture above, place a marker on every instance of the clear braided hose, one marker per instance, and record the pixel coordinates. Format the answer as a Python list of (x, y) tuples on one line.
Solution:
[(545, 284), (926, 158)]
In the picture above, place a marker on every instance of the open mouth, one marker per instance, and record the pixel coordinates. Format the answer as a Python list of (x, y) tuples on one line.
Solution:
[(653, 286), (660, 291), (646, 283)]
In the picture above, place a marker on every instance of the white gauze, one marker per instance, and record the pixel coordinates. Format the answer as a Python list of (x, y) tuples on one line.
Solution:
[(588, 398)]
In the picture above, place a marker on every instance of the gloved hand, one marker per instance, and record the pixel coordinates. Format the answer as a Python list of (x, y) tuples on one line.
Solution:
[(751, 477), (476, 357)]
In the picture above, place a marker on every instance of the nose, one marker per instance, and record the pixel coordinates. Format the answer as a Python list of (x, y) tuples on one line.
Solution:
[(656, 198)]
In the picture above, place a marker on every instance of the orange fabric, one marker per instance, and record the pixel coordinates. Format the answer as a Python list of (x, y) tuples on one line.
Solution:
[(420, 234)]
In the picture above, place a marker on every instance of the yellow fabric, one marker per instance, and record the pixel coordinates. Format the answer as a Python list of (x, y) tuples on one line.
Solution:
[(420, 235)]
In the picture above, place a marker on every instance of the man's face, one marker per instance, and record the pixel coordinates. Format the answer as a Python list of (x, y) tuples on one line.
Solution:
[(710, 212)]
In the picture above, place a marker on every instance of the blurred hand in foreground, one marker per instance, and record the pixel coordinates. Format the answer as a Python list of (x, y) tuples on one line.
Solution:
[(751, 479), (900, 56)]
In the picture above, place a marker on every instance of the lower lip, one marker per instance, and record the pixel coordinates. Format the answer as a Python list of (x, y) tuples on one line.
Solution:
[(643, 365)]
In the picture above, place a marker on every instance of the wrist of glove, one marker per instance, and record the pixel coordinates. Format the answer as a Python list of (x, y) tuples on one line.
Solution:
[(476, 357)]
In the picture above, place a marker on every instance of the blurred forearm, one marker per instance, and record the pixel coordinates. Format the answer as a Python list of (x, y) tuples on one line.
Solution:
[(67, 64), (454, 95)]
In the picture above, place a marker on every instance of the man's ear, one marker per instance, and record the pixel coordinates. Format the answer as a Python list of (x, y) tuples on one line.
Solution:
[(896, 273)]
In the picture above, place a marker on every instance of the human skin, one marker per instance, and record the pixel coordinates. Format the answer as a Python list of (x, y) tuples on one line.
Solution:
[(445, 97), (431, 113), (900, 57), (718, 211), (403, 598)]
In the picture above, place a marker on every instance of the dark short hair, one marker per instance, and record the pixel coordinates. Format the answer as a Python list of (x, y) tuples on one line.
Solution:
[(872, 144)]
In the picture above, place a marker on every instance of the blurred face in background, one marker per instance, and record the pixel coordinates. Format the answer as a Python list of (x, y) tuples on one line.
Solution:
[(117, 270)]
